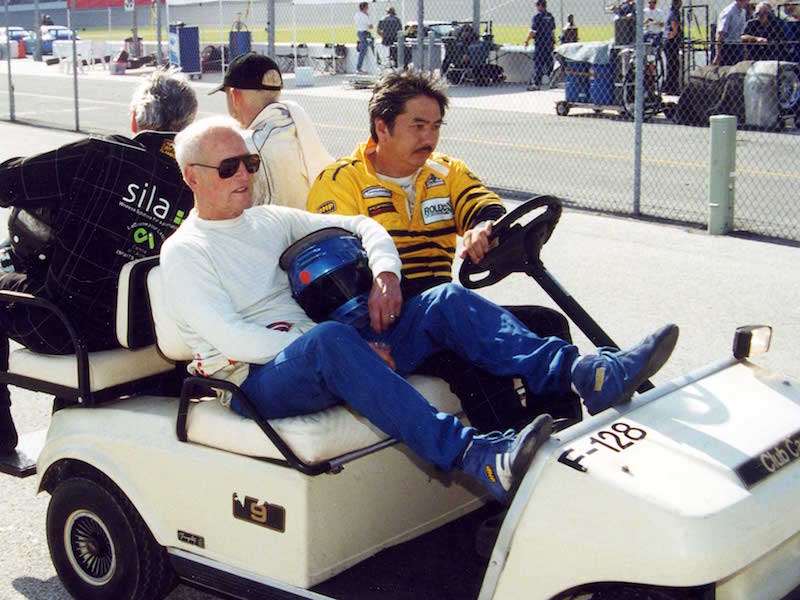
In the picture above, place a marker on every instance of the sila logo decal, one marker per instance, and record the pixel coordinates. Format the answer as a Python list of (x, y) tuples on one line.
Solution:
[(146, 198)]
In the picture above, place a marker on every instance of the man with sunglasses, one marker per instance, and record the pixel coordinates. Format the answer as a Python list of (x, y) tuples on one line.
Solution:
[(82, 211), (280, 131), (233, 307)]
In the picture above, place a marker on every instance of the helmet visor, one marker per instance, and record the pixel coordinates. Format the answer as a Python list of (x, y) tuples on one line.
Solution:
[(332, 290)]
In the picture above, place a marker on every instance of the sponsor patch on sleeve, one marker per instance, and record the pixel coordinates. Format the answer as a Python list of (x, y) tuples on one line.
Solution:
[(436, 209), (376, 191), (168, 148), (433, 181), (381, 208), (326, 207)]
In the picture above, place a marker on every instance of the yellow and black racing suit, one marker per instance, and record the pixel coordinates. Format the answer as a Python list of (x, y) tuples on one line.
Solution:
[(449, 200)]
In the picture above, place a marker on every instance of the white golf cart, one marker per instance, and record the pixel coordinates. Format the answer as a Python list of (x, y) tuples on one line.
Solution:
[(689, 491)]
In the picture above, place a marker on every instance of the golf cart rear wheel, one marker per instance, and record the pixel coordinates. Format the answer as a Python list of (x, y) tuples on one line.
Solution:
[(101, 548)]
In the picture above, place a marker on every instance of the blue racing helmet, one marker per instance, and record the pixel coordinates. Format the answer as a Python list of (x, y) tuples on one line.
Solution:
[(330, 276)]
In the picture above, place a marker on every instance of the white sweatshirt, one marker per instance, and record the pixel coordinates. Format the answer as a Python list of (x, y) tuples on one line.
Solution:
[(292, 155), (230, 299)]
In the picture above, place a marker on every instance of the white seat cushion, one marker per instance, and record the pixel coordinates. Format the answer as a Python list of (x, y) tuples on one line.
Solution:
[(106, 368), (315, 437), (168, 337)]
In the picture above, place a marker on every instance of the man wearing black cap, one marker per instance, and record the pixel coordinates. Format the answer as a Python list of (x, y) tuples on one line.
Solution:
[(281, 131)]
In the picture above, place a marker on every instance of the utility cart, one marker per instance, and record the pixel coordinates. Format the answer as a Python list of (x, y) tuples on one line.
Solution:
[(602, 76)]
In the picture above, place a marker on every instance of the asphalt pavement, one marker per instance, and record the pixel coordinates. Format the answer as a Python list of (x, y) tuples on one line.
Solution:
[(632, 276)]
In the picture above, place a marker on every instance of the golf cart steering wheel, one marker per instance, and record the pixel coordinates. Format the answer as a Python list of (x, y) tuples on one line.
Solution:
[(518, 245)]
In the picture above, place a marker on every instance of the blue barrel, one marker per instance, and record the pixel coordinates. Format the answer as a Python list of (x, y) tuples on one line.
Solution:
[(576, 81), (238, 43), (601, 84)]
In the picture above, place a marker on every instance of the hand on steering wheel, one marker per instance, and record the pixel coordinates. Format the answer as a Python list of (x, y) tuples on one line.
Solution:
[(517, 245)]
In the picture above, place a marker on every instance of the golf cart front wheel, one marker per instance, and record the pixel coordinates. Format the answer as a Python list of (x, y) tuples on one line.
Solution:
[(101, 548)]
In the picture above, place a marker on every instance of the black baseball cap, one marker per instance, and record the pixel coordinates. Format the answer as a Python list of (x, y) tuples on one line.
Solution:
[(251, 71)]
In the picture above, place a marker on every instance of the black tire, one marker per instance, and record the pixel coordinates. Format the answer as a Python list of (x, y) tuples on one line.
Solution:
[(562, 108), (101, 547)]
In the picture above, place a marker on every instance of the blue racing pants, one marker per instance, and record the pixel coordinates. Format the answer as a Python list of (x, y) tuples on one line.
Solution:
[(333, 364), (542, 64)]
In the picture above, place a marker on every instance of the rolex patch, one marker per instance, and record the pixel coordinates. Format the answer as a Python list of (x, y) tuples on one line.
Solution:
[(436, 209), (379, 209), (489, 473), (376, 191), (433, 181)]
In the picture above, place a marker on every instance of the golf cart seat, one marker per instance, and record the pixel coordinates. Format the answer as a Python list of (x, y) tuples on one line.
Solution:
[(306, 442), (88, 378)]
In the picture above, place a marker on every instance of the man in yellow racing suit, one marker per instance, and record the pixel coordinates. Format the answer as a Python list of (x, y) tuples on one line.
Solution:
[(425, 200), (447, 200)]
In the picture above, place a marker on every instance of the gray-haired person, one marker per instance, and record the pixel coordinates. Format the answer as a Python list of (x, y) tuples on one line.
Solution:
[(165, 101), (79, 213)]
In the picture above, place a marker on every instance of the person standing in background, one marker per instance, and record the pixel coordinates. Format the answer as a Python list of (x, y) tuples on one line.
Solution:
[(364, 33), (388, 28), (730, 27), (654, 21), (673, 36), (542, 27)]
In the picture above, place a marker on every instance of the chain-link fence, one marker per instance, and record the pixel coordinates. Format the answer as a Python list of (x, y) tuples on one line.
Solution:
[(528, 115)]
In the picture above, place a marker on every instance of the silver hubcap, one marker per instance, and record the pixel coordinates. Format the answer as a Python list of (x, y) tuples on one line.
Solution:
[(89, 548)]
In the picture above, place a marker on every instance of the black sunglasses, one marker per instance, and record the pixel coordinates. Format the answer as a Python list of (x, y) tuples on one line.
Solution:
[(228, 167)]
